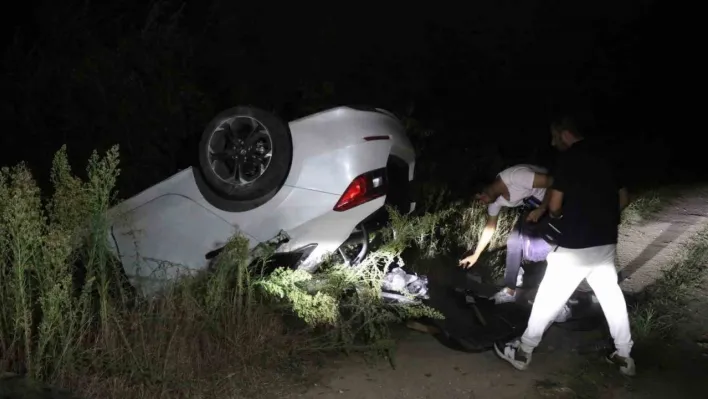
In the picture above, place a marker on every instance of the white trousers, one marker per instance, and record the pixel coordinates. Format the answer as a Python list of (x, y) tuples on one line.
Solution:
[(565, 271)]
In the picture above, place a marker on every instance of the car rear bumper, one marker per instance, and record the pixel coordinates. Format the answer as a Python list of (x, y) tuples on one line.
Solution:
[(324, 235)]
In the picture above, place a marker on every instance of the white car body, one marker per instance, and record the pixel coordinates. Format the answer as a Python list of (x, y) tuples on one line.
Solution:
[(170, 227)]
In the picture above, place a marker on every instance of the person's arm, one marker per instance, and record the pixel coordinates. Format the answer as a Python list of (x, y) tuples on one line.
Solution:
[(623, 198), (561, 182), (555, 203), (538, 180), (620, 180), (541, 180), (546, 199), (487, 233)]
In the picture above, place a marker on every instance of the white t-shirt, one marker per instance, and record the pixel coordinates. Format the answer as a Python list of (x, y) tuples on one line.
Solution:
[(519, 181)]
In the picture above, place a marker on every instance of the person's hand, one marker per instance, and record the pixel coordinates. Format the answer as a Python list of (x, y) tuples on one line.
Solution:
[(534, 215), (469, 261)]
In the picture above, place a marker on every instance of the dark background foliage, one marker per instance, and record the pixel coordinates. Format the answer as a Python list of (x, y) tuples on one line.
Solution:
[(483, 78)]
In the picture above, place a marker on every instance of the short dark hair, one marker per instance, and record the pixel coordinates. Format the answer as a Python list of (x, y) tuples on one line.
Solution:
[(569, 123)]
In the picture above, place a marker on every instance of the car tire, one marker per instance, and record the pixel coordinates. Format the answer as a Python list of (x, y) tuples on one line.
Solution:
[(360, 236), (244, 175)]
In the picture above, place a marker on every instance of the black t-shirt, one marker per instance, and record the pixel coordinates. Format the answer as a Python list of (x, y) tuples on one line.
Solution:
[(590, 184)]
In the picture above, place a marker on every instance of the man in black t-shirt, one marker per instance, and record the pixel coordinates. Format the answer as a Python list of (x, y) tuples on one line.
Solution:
[(586, 199)]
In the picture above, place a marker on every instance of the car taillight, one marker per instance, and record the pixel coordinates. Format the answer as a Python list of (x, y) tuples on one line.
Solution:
[(362, 189)]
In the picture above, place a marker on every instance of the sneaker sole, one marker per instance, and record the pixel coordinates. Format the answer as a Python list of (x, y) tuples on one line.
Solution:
[(501, 303), (514, 364), (628, 374), (571, 302)]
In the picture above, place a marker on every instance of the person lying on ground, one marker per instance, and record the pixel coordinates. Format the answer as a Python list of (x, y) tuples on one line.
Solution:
[(586, 201), (509, 189)]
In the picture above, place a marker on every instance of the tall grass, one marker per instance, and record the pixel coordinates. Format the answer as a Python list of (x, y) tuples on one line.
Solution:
[(663, 304), (646, 204), (45, 313), (448, 226), (472, 220), (70, 317)]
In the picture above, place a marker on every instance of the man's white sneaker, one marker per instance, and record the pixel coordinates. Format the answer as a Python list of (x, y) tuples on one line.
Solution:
[(571, 302), (563, 315), (520, 278), (626, 364), (503, 297), (512, 353)]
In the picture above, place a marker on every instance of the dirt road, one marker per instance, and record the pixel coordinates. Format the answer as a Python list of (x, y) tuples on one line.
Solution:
[(426, 369), (646, 249)]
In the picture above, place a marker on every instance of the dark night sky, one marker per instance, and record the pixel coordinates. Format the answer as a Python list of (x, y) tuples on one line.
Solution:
[(486, 74)]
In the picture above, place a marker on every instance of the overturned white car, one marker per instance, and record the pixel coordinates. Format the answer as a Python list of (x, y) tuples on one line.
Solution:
[(321, 181)]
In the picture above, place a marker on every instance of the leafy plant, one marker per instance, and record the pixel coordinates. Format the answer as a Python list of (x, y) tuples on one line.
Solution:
[(347, 300)]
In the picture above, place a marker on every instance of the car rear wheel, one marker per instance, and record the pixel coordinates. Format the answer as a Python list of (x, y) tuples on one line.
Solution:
[(245, 155), (356, 248)]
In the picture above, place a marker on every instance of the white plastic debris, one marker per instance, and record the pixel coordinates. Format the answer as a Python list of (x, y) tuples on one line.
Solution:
[(400, 286), (395, 280)]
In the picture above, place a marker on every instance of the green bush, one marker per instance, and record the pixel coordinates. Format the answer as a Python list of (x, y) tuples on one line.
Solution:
[(44, 316), (348, 299), (644, 204), (470, 224), (70, 318), (445, 226)]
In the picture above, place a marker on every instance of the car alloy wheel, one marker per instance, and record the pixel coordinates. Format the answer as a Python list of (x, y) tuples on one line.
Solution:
[(240, 150)]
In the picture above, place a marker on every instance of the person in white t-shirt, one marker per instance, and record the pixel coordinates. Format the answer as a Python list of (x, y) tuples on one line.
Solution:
[(509, 189)]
